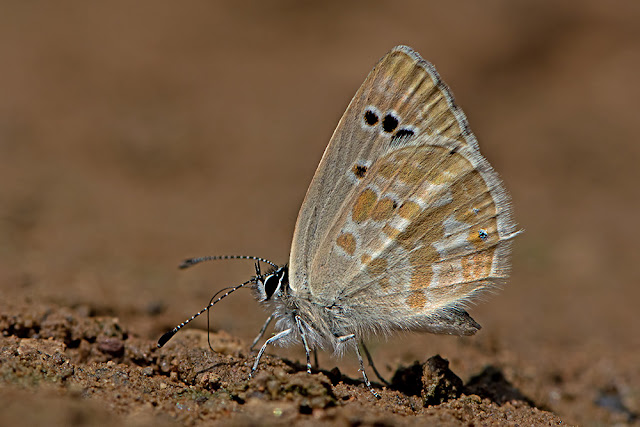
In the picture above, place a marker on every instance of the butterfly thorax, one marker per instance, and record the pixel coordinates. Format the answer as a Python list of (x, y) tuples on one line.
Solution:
[(323, 324)]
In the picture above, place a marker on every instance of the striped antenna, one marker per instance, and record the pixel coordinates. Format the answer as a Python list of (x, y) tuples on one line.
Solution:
[(167, 336), (193, 261)]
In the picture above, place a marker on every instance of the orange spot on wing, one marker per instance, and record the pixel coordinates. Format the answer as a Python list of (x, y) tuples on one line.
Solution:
[(421, 261), (383, 210), (390, 231), (477, 266), (364, 204), (347, 242), (408, 210), (416, 300)]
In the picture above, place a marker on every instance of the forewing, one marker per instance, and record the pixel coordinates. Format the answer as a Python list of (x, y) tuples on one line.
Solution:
[(402, 100)]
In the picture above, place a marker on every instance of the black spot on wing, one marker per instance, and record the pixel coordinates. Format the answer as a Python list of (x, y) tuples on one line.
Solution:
[(359, 171), (389, 123), (370, 118), (402, 134)]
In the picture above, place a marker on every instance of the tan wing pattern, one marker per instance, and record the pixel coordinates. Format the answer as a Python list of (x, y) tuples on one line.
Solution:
[(402, 99), (429, 228)]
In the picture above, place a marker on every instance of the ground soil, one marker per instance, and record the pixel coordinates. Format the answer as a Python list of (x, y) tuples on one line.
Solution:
[(135, 135)]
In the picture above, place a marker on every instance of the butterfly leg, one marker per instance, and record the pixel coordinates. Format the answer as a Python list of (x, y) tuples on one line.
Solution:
[(303, 334), (261, 333), (346, 338), (370, 360), (274, 338)]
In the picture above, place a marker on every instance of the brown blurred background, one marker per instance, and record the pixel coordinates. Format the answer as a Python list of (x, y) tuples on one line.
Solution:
[(135, 134)]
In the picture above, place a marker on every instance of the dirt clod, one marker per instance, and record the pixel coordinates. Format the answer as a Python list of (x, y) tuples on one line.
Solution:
[(110, 345), (439, 383)]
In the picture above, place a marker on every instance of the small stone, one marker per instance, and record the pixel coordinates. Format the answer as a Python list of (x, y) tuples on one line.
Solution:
[(111, 346), (439, 383)]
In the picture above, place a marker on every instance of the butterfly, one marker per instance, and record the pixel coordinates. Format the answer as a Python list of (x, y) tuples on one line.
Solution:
[(404, 223)]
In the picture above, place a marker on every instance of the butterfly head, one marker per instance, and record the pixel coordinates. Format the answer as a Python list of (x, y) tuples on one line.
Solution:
[(271, 285)]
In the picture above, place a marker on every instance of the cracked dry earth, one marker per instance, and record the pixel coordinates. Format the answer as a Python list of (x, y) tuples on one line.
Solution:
[(62, 366)]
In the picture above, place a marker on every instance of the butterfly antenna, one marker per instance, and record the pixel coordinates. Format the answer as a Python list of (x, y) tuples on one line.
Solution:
[(193, 261), (167, 336)]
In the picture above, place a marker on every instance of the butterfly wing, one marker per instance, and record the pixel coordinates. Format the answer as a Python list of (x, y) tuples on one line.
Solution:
[(402, 84), (404, 220)]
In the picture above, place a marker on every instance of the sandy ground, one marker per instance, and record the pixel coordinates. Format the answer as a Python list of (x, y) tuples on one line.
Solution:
[(134, 136)]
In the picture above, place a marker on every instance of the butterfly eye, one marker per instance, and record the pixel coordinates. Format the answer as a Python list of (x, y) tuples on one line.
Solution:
[(370, 118), (275, 281), (390, 123), (270, 285)]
